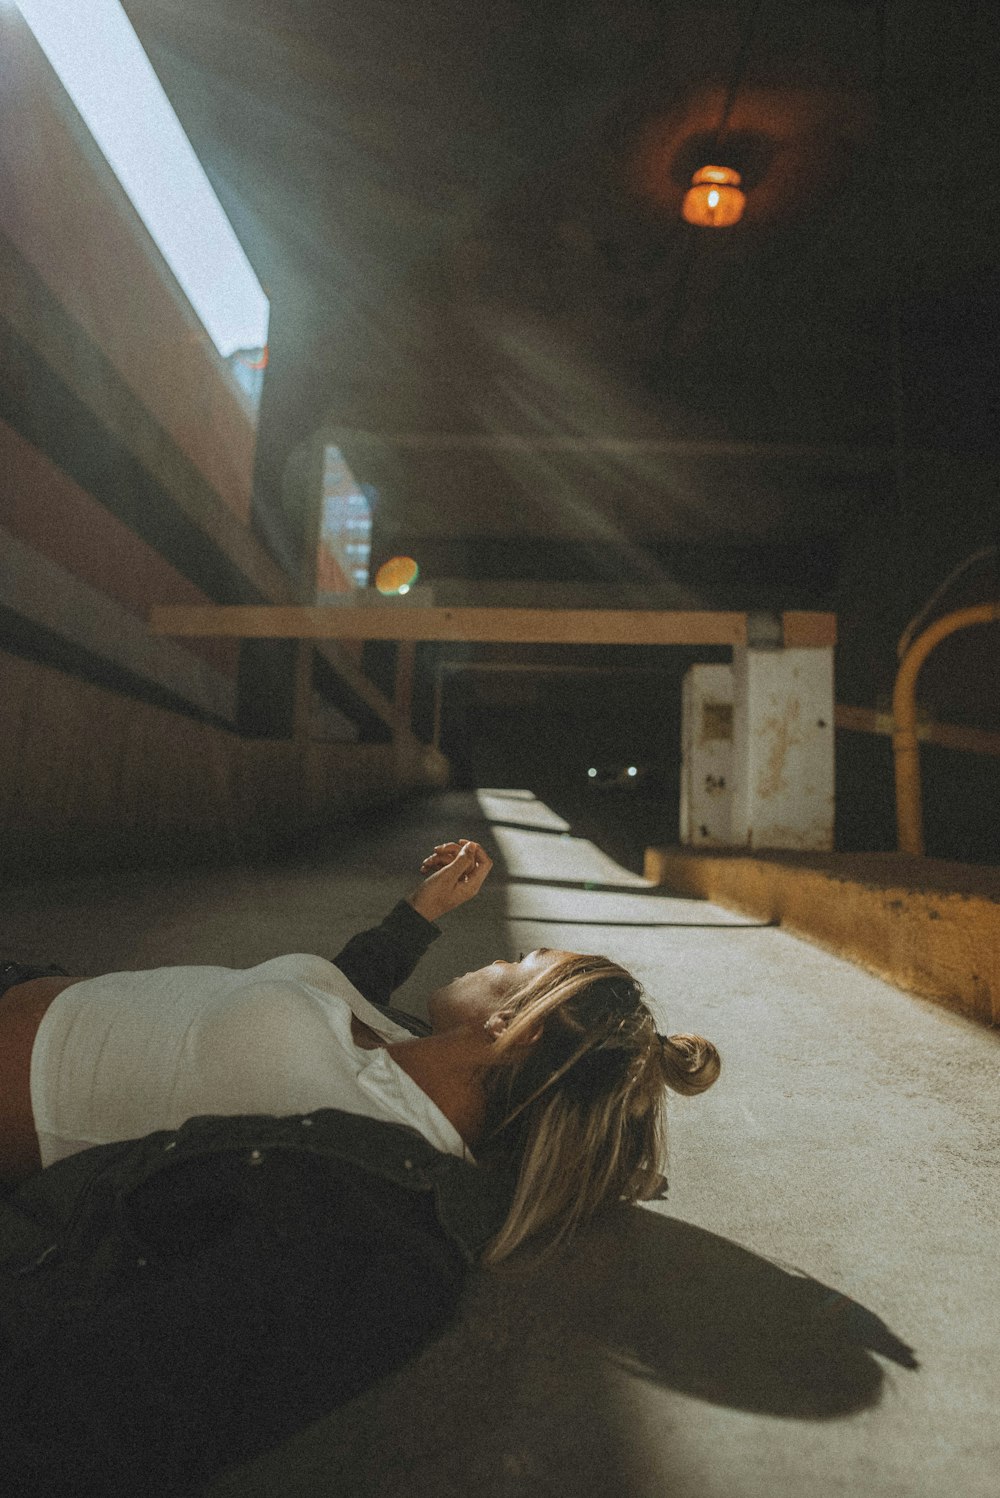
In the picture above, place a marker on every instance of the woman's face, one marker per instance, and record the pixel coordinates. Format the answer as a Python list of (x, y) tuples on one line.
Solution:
[(473, 997)]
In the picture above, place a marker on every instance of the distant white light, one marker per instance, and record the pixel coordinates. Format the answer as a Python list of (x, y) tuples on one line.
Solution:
[(405, 588), (592, 773), (632, 770), (102, 66)]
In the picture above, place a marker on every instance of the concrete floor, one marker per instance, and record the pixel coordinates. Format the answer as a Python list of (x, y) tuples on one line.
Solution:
[(815, 1309)]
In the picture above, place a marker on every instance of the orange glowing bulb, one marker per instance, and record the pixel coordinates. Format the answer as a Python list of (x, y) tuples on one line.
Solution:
[(714, 199)]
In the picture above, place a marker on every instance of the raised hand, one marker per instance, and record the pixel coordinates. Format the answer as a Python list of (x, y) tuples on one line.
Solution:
[(455, 873)]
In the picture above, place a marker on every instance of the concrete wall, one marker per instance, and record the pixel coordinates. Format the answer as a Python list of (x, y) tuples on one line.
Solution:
[(63, 211), (126, 474), (91, 778)]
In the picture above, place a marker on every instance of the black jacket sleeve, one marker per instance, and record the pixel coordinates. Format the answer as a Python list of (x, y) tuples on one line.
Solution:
[(379, 960)]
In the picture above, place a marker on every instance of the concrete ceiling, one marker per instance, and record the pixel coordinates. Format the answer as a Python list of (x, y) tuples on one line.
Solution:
[(468, 219)]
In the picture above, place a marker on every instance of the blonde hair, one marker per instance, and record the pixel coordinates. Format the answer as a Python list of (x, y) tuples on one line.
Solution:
[(577, 1117)]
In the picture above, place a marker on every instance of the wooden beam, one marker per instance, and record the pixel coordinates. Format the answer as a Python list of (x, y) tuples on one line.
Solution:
[(808, 630), (302, 712), (544, 668), (351, 673), (509, 626), (406, 652), (864, 458)]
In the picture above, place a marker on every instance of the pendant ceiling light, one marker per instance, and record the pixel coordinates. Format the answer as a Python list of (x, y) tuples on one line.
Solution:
[(714, 200)]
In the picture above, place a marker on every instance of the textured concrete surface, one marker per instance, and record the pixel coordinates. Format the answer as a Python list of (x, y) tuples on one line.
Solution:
[(815, 1309), (928, 926)]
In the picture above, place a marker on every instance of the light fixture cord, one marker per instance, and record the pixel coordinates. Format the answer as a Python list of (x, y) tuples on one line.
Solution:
[(739, 70), (736, 79)]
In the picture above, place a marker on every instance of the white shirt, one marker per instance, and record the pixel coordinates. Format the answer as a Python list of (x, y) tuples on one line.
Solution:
[(121, 1056)]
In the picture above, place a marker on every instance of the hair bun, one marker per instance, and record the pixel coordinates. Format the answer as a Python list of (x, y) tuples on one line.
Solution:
[(690, 1063)]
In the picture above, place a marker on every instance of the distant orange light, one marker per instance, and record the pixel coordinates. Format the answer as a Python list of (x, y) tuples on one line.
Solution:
[(714, 199), (397, 575)]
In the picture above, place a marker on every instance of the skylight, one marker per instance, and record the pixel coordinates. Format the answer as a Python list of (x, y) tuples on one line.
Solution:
[(102, 66)]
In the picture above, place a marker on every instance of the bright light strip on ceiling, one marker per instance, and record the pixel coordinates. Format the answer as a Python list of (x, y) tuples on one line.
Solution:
[(102, 66)]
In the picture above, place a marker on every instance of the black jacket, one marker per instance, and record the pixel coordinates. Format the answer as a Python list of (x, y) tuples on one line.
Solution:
[(176, 1302)]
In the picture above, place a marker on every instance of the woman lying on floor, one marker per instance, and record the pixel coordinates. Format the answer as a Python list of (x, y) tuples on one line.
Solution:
[(534, 1096)]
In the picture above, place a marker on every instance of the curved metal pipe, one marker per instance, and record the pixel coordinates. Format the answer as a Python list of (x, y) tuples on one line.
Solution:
[(906, 752)]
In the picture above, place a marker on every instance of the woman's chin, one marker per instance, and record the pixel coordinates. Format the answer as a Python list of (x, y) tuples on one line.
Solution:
[(447, 1008), (438, 1007)]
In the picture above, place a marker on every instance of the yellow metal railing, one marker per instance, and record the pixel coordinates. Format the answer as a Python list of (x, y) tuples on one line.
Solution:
[(906, 750)]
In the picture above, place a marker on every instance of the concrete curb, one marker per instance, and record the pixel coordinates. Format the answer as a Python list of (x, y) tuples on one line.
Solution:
[(929, 927)]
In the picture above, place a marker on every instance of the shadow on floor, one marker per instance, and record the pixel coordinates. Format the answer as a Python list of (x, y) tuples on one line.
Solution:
[(534, 1387)]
